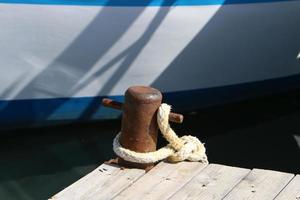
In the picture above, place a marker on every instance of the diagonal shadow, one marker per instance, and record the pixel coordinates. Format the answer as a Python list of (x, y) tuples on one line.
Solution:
[(74, 62), (71, 65), (127, 57), (241, 43)]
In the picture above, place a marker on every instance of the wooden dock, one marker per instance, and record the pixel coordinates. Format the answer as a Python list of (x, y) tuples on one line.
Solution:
[(185, 180)]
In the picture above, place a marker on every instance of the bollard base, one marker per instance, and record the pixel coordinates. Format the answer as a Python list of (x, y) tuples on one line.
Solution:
[(126, 164)]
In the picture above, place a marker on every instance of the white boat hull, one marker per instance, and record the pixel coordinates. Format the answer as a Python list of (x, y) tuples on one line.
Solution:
[(58, 61)]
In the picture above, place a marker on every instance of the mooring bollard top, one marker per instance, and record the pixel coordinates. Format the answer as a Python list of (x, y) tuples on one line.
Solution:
[(143, 94)]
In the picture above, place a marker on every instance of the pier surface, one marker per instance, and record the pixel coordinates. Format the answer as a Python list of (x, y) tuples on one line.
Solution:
[(185, 180)]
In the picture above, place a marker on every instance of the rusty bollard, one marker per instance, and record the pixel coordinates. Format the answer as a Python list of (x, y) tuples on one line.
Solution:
[(139, 126)]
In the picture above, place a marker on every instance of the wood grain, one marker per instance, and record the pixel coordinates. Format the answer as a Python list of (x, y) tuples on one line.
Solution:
[(260, 184), (214, 182), (103, 183), (162, 182), (291, 191)]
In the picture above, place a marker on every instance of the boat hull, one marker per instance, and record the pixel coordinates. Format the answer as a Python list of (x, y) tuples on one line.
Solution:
[(58, 61)]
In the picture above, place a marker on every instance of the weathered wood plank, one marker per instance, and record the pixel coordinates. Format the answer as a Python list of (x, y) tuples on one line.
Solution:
[(162, 181), (103, 183), (291, 191), (260, 184), (213, 182)]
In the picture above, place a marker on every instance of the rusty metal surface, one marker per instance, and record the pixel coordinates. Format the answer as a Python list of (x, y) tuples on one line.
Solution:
[(173, 117), (139, 126), (112, 104), (139, 122)]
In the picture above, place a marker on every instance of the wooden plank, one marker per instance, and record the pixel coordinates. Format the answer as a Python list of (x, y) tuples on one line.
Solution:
[(291, 191), (214, 182), (260, 184), (162, 181), (105, 182)]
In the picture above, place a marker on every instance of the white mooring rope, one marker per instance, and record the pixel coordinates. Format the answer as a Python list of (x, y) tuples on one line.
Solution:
[(178, 149)]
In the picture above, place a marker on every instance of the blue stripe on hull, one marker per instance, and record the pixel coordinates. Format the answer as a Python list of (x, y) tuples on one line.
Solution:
[(43, 111), (138, 2)]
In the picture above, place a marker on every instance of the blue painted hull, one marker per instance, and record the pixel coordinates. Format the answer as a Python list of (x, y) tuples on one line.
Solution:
[(197, 52), (53, 111)]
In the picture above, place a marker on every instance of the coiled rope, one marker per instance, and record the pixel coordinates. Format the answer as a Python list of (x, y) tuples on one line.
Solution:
[(178, 149)]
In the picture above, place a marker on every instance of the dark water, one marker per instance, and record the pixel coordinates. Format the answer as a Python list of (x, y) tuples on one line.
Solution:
[(262, 133)]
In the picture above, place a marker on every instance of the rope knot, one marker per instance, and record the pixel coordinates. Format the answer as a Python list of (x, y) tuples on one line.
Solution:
[(192, 150)]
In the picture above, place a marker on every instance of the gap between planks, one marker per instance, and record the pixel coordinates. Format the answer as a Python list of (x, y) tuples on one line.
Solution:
[(260, 184), (214, 182), (162, 181), (103, 183), (291, 191)]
